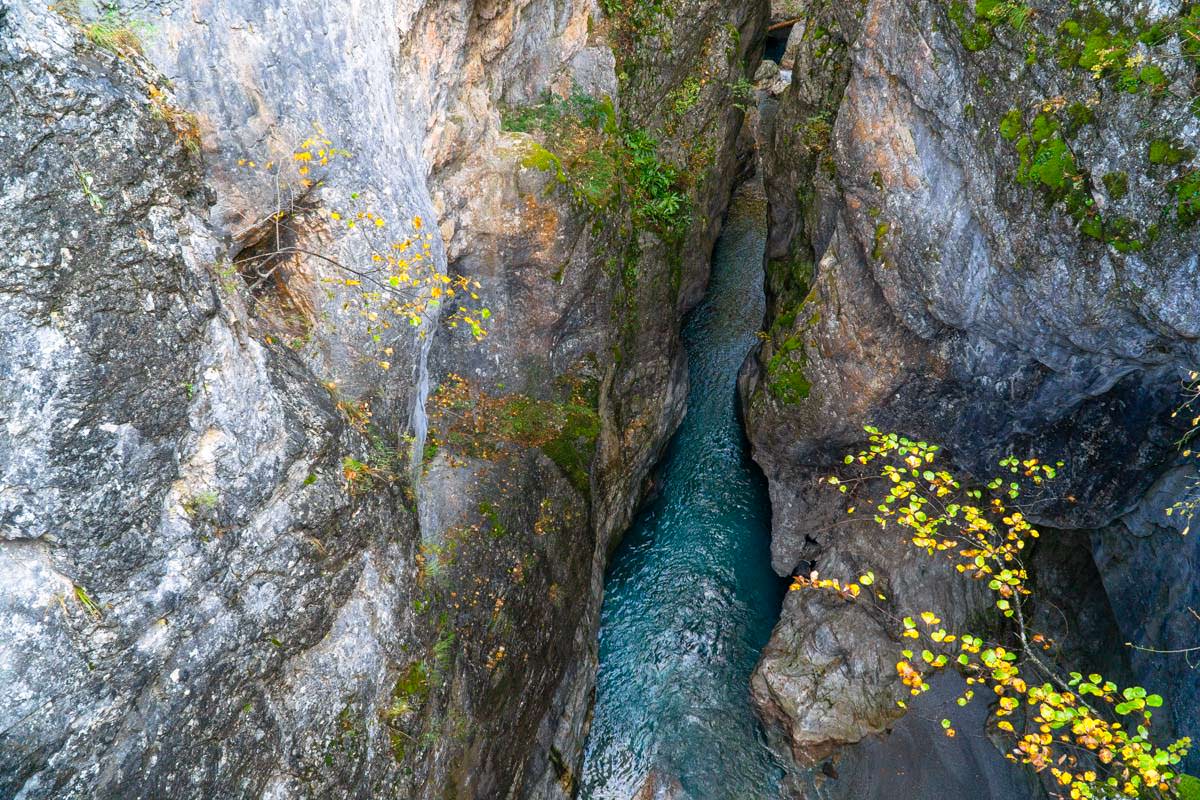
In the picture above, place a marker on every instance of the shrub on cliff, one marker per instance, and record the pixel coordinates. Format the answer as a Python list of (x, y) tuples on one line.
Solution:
[(1095, 738), (605, 165), (387, 280)]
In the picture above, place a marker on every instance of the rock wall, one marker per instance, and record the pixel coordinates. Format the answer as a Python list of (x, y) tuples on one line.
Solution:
[(225, 573), (982, 232)]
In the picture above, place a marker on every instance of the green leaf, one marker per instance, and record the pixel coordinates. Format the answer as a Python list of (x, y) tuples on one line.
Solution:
[(1189, 787)]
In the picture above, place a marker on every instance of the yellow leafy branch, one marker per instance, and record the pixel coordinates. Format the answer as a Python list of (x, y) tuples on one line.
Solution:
[(1094, 737), (387, 280)]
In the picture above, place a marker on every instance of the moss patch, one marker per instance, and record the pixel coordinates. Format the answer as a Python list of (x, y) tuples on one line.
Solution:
[(1186, 191), (785, 371), (1116, 184), (1164, 151), (977, 31), (538, 157), (1094, 47), (881, 232), (476, 423)]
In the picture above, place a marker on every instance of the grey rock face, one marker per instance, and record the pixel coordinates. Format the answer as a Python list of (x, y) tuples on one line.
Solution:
[(794, 42), (206, 599), (176, 536), (1149, 571), (884, 763), (922, 278)]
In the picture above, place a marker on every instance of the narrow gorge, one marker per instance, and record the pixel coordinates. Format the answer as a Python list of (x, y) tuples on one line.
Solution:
[(690, 597), (599, 399)]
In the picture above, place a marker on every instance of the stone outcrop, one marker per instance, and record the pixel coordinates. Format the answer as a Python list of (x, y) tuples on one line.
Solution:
[(982, 235), (224, 573)]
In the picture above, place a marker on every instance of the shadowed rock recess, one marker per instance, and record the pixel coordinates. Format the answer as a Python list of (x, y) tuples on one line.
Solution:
[(253, 545)]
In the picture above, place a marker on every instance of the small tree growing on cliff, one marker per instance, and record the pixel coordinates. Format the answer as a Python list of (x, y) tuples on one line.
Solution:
[(1094, 737), (384, 279)]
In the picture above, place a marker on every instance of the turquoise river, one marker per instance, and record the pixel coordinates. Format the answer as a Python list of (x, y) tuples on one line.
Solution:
[(690, 598)]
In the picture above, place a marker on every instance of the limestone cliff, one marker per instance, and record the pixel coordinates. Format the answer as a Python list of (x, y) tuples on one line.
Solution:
[(242, 558), (982, 232)]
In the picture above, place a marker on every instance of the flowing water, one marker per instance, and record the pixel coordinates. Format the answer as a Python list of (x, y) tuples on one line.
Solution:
[(690, 598)]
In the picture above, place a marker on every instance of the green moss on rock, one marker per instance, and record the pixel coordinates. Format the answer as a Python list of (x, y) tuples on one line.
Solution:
[(476, 423), (1186, 191), (881, 232), (785, 372), (566, 432), (1164, 151), (538, 157), (1116, 184), (1012, 125)]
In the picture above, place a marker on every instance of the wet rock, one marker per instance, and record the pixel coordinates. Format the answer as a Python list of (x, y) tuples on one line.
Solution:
[(916, 759), (1149, 572)]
